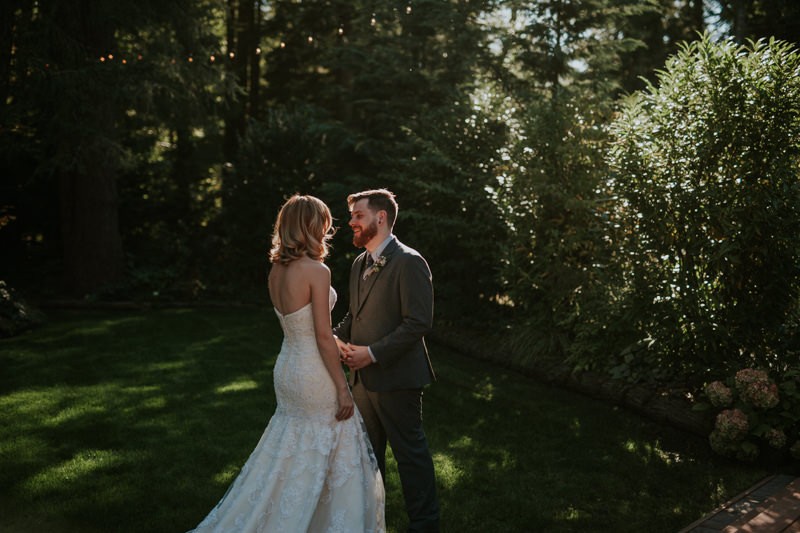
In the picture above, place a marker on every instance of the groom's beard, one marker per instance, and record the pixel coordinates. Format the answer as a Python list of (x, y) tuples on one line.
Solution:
[(360, 240)]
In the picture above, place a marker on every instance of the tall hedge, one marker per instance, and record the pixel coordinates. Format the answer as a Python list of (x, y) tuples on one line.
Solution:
[(705, 165)]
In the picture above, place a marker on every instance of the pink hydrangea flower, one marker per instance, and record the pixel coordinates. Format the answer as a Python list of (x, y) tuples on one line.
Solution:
[(756, 388), (732, 424), (730, 430), (718, 394), (776, 438)]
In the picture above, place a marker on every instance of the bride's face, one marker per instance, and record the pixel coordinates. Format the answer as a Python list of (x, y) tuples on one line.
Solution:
[(364, 223)]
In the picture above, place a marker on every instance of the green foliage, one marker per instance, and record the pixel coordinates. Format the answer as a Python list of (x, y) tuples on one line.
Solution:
[(659, 31), (562, 62), (705, 169), (383, 103), (293, 150), (16, 315)]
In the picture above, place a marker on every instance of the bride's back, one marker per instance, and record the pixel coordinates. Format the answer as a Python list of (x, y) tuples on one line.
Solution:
[(289, 285)]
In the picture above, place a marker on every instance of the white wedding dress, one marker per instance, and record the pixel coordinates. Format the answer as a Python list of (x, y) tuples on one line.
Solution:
[(309, 472)]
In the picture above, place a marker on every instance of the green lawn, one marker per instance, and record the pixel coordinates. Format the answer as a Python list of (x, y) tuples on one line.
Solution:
[(137, 422)]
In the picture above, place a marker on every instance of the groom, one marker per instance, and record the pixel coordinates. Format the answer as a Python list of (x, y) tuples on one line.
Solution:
[(381, 340)]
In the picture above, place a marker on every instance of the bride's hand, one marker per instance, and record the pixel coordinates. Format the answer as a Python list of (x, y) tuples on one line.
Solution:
[(345, 401)]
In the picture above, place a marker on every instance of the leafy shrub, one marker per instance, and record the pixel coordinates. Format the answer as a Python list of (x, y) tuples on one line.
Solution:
[(705, 169), (16, 315)]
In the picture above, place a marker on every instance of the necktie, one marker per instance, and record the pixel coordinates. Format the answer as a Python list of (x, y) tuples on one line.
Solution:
[(370, 260)]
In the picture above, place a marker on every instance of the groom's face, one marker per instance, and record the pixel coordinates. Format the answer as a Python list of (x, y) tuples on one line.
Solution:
[(363, 222)]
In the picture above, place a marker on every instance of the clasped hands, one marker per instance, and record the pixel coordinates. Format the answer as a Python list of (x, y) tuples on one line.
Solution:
[(354, 356)]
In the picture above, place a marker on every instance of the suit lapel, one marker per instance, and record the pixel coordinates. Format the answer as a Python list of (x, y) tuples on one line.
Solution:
[(365, 285), (355, 281)]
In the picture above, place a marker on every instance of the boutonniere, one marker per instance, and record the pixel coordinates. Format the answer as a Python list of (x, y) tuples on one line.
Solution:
[(378, 264)]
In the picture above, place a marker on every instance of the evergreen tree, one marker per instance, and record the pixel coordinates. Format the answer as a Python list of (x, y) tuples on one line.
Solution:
[(384, 95), (562, 64), (79, 72)]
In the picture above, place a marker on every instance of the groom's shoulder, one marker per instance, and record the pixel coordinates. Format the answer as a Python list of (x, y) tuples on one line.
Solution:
[(407, 250)]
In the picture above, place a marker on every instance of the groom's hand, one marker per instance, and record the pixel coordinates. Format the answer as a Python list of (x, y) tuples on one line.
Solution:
[(342, 348), (356, 357)]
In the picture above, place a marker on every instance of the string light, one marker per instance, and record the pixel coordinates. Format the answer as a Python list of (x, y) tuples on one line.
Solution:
[(373, 21)]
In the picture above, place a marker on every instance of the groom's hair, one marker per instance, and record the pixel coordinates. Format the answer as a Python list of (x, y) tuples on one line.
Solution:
[(377, 200)]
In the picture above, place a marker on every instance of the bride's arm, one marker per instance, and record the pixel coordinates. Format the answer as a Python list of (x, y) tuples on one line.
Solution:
[(320, 279)]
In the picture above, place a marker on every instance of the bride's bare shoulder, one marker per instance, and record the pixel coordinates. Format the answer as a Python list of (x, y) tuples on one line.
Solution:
[(312, 267)]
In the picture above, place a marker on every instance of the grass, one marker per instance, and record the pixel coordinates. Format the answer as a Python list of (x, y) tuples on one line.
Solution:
[(138, 421)]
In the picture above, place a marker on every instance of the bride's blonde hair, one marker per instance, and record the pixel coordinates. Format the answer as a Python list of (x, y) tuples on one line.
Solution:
[(303, 227)]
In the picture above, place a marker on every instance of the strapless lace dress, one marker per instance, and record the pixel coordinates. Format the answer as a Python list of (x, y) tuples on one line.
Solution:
[(308, 472)]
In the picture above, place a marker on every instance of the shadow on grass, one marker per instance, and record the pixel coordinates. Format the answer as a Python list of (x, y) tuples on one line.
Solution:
[(139, 421)]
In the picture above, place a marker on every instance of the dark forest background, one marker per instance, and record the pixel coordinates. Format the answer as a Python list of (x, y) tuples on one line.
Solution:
[(609, 183)]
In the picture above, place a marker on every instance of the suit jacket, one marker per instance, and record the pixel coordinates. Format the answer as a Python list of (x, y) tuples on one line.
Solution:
[(391, 312)]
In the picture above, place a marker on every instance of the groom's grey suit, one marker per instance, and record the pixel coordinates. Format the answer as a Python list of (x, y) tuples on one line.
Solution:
[(391, 311)]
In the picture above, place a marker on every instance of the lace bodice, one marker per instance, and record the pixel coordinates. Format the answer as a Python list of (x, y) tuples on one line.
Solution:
[(303, 386)]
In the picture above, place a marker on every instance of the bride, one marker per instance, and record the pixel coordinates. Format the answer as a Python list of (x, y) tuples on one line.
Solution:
[(313, 469)]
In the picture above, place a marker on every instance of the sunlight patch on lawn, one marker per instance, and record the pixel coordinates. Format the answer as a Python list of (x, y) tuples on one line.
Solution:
[(570, 513), (29, 402), (157, 402), (464, 442), (163, 366), (82, 464), (448, 472), (226, 476), (73, 412), (62, 405), (141, 389), (648, 452), (203, 345), (237, 386), (484, 391), (103, 327)]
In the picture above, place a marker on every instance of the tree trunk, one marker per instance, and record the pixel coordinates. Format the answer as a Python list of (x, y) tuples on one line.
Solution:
[(255, 61), (245, 50), (93, 256), (740, 27), (230, 140)]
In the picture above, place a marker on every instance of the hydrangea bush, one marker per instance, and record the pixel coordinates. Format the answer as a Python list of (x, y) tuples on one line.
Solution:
[(756, 413)]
